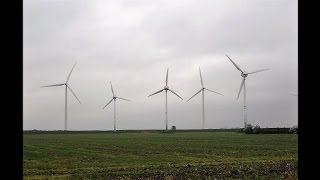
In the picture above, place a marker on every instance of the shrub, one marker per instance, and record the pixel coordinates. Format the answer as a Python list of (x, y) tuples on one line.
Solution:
[(248, 129), (241, 130), (294, 130), (173, 128), (256, 129)]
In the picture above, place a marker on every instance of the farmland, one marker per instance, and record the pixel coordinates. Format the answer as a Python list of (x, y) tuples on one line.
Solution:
[(156, 155)]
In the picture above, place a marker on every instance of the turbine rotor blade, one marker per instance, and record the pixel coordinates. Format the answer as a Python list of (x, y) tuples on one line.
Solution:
[(108, 103), (156, 92), (123, 99), (111, 88), (242, 82), (71, 72), (234, 64), (53, 85), (195, 94), (257, 71), (73, 93), (214, 91), (167, 77), (175, 93), (201, 77), (293, 94)]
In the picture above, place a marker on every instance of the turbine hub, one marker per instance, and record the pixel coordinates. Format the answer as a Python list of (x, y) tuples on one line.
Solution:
[(166, 87), (244, 75)]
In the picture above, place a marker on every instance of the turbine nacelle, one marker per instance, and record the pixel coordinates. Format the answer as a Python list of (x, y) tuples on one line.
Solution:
[(244, 74)]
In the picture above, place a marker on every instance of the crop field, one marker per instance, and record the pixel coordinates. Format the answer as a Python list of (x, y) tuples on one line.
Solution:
[(156, 155)]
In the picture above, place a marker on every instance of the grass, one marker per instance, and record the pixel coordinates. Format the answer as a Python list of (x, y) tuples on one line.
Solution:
[(181, 155)]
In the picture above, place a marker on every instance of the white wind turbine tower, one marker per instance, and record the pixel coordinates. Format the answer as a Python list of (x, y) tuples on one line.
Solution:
[(114, 105), (66, 93), (202, 90), (166, 88), (244, 74)]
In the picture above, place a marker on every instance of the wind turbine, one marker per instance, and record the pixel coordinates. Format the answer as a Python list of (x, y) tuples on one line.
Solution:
[(202, 90), (66, 93), (244, 74), (166, 88), (114, 109)]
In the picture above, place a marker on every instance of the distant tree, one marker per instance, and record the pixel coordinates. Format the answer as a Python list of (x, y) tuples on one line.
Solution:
[(173, 128), (294, 130), (248, 129), (256, 129), (241, 130)]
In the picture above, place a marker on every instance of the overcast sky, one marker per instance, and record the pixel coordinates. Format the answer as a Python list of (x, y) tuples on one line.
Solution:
[(133, 42)]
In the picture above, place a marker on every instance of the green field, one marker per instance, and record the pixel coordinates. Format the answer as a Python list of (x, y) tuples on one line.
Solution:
[(180, 155)]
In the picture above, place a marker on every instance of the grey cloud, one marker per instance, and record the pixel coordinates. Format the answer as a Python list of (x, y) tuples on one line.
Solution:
[(131, 43)]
